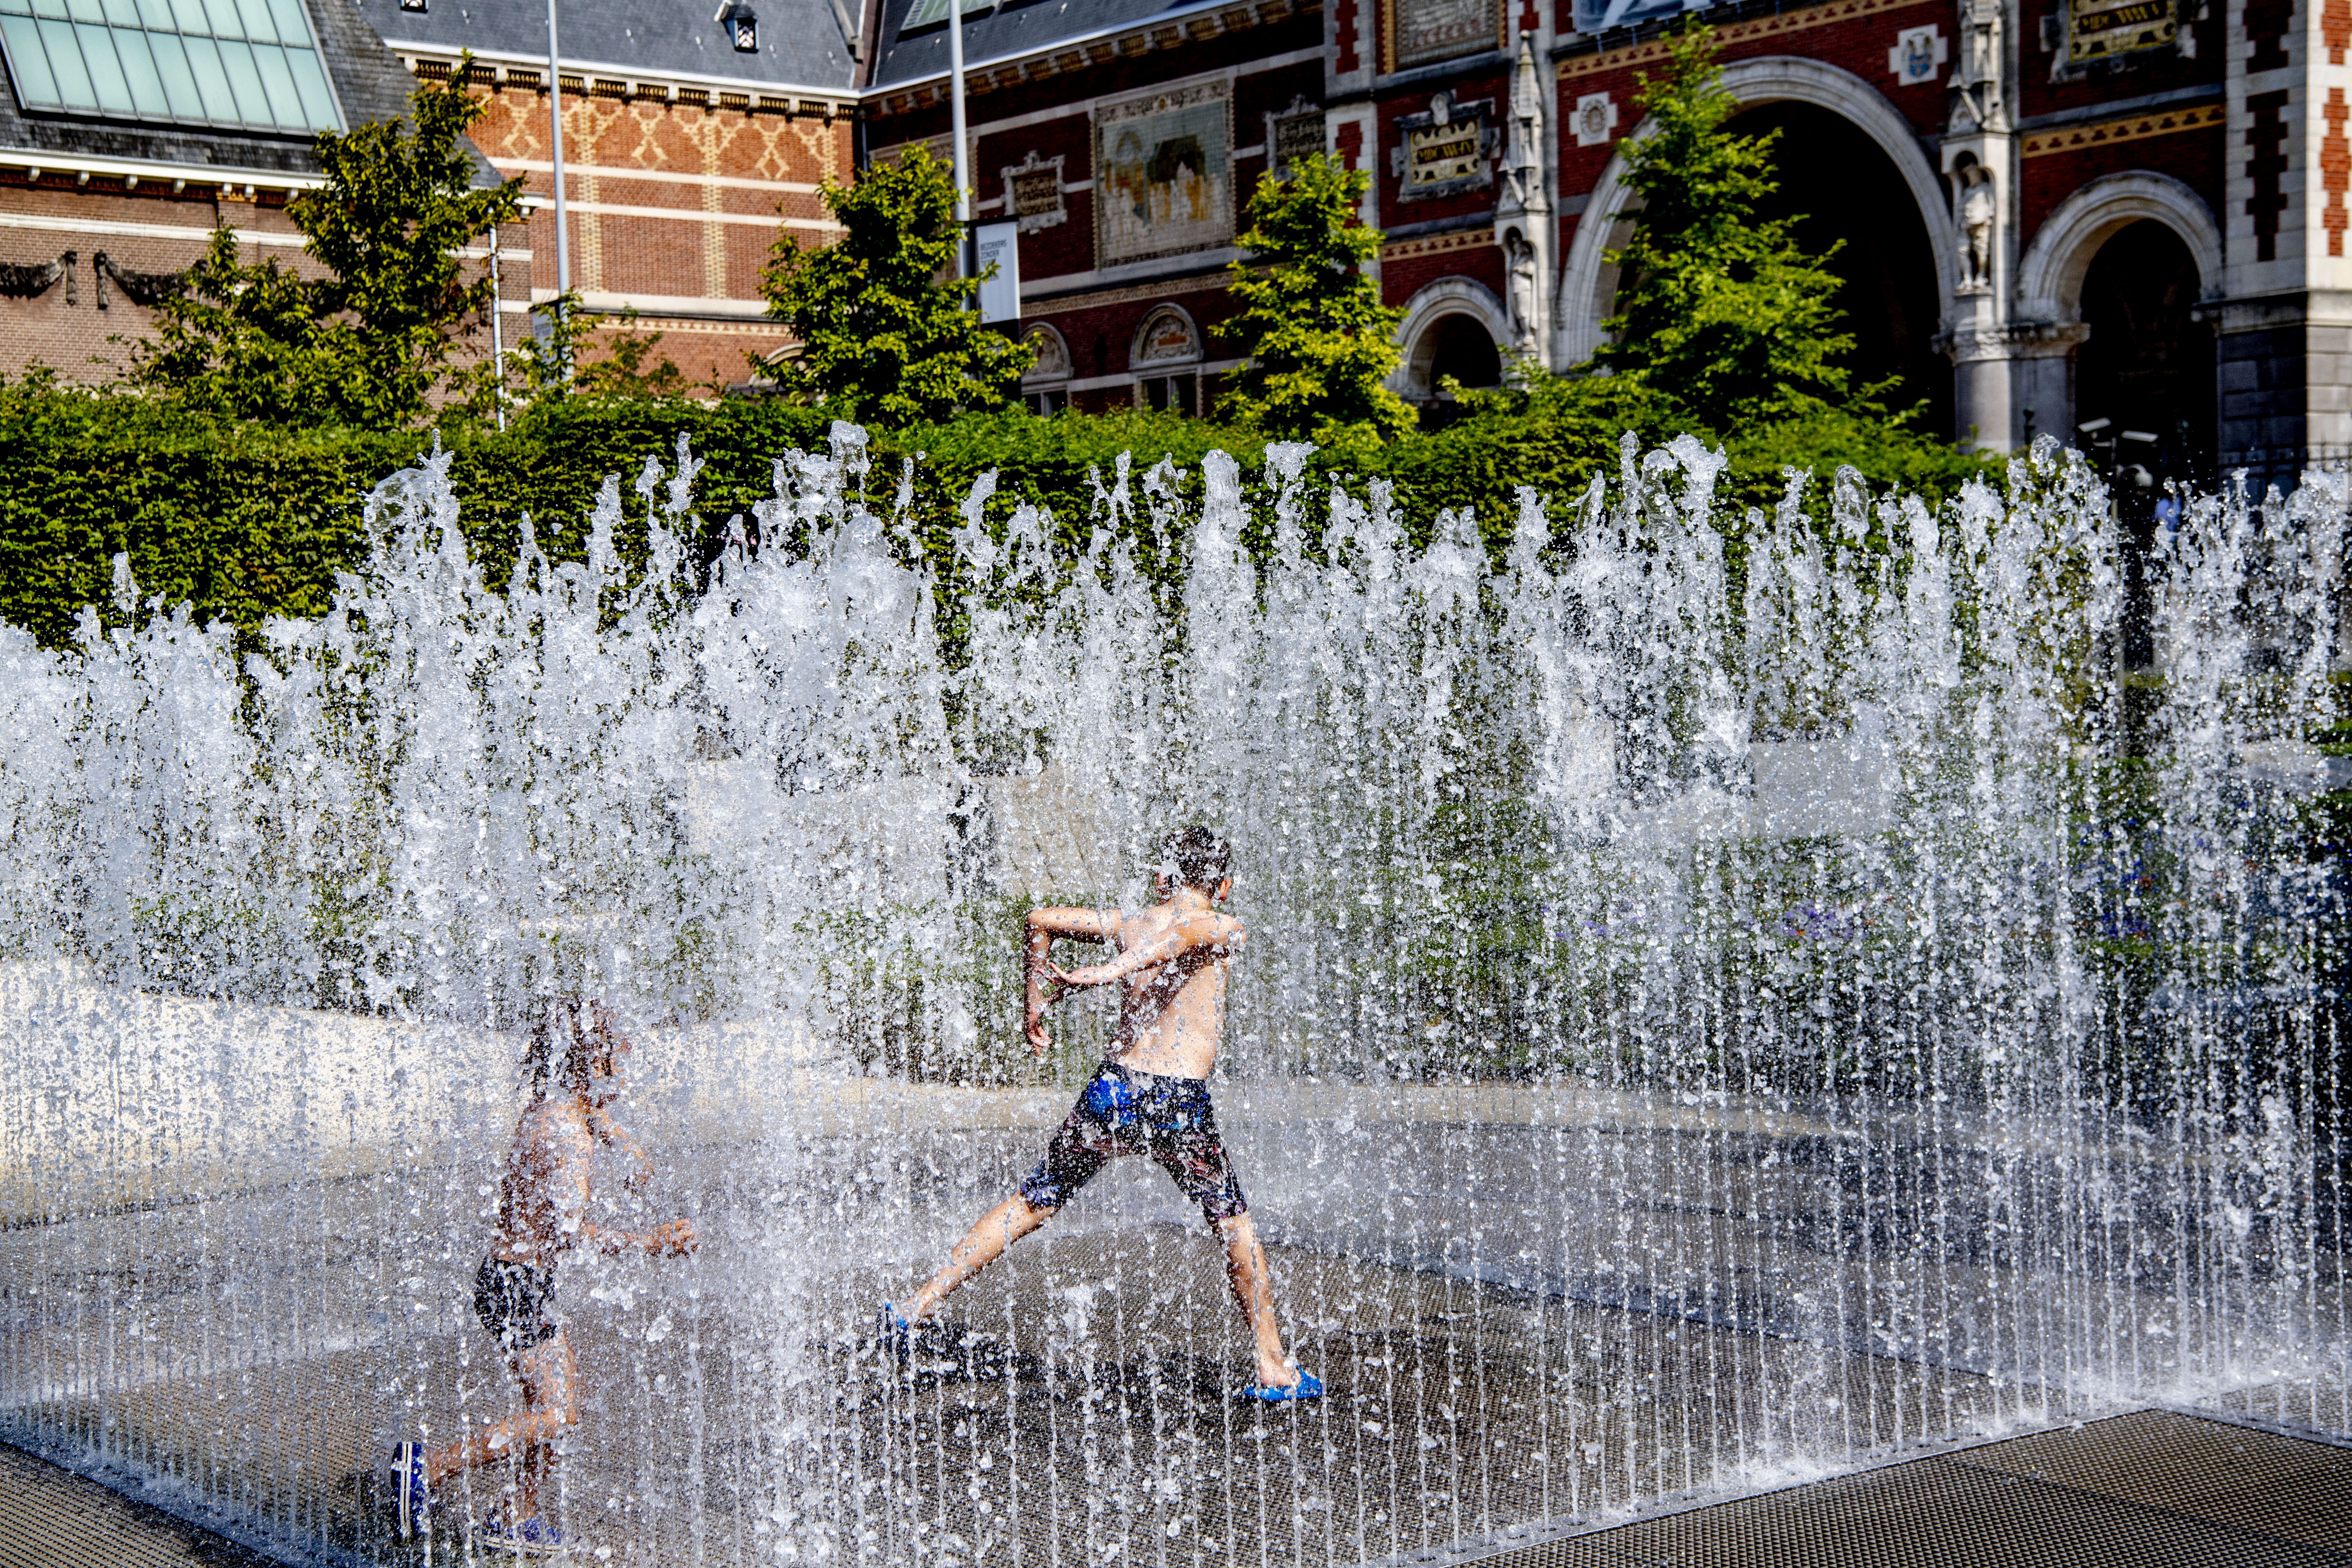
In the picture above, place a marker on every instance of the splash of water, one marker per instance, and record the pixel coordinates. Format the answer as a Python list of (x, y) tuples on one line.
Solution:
[(1707, 1015)]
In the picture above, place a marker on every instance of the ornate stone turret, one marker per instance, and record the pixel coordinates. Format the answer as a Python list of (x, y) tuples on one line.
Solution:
[(1523, 221), (1980, 161), (1980, 98)]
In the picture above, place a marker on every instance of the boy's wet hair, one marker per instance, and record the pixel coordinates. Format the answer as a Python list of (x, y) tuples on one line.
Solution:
[(1197, 857), (562, 1023)]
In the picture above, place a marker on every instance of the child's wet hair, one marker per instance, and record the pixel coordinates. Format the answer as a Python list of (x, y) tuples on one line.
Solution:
[(1196, 856), (564, 1016)]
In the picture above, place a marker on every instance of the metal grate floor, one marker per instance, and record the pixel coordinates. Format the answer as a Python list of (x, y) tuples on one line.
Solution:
[(51, 1518), (2150, 1489)]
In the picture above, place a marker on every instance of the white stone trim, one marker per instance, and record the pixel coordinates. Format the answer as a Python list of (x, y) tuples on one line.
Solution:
[(1588, 282), (2049, 274), (158, 171)]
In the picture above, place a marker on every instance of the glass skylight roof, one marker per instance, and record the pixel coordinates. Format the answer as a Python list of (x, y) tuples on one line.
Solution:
[(923, 13), (251, 64)]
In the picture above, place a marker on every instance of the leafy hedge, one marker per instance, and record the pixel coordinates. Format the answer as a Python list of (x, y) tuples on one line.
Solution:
[(243, 521)]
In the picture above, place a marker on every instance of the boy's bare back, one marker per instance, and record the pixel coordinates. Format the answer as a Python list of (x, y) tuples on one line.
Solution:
[(550, 1175)]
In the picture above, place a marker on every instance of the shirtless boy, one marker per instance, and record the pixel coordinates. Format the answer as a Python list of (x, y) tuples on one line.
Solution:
[(542, 1214), (1151, 1097)]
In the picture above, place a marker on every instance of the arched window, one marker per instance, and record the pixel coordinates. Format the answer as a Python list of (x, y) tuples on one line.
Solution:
[(1046, 384), (1167, 362)]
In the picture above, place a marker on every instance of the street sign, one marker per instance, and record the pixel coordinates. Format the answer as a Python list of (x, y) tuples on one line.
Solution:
[(1000, 297)]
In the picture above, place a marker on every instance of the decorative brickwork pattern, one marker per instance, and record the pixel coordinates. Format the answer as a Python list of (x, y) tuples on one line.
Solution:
[(1438, 245), (2336, 29), (2334, 165), (2136, 128), (2267, 168), (2266, 24)]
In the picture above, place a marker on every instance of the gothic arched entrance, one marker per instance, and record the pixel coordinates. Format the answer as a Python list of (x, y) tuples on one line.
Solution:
[(1841, 186), (2147, 364)]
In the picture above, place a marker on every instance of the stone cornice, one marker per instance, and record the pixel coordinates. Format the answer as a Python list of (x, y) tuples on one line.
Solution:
[(589, 81)]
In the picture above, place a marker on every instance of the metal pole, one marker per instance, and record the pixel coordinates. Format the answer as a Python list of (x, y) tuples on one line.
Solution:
[(497, 334), (955, 121), (555, 122)]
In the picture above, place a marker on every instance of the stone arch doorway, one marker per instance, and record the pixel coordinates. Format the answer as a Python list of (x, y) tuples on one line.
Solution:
[(2147, 363), (1452, 327), (1845, 191), (1456, 345), (1588, 283)]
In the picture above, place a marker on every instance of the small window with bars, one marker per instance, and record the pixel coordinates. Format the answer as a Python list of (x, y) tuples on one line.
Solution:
[(251, 64), (930, 13)]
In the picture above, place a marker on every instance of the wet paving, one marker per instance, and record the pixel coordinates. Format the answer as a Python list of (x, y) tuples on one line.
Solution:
[(1524, 1323)]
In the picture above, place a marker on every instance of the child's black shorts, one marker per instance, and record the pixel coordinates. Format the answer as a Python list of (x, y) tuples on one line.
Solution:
[(1122, 1111), (513, 1300)]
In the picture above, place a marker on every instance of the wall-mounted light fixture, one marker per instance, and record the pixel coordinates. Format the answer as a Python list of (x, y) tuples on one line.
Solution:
[(743, 27), (418, 6)]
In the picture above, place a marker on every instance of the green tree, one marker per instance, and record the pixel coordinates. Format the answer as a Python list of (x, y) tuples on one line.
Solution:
[(383, 336), (1719, 309), (550, 365), (242, 339), (1321, 343), (886, 331)]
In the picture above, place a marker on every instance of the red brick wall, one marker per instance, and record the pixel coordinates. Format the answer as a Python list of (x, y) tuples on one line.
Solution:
[(735, 172), (146, 228), (2195, 157), (1400, 279), (1853, 34)]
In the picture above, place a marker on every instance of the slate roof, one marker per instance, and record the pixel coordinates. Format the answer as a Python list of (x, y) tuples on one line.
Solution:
[(370, 84), (801, 41), (1014, 28)]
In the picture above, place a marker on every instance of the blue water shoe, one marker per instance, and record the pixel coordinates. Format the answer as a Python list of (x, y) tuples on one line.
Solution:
[(897, 1334), (410, 1494), (1308, 1386), (534, 1537)]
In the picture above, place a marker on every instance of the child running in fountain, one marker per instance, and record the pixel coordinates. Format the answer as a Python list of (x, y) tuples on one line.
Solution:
[(1151, 1097), (542, 1214)]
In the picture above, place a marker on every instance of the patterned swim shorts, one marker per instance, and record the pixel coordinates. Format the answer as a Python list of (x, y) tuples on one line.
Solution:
[(515, 1302), (1122, 1111)]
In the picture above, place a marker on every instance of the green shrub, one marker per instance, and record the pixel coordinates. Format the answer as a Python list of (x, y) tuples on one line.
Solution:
[(246, 519)]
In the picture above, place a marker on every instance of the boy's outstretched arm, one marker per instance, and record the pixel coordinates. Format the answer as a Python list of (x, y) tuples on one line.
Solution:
[(1037, 934), (671, 1238), (1221, 932)]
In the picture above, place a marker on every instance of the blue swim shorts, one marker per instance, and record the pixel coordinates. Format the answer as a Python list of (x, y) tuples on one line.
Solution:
[(1122, 1111)]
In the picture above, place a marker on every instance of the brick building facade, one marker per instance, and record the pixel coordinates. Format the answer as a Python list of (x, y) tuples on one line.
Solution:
[(2054, 211), (116, 167), (685, 157)]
